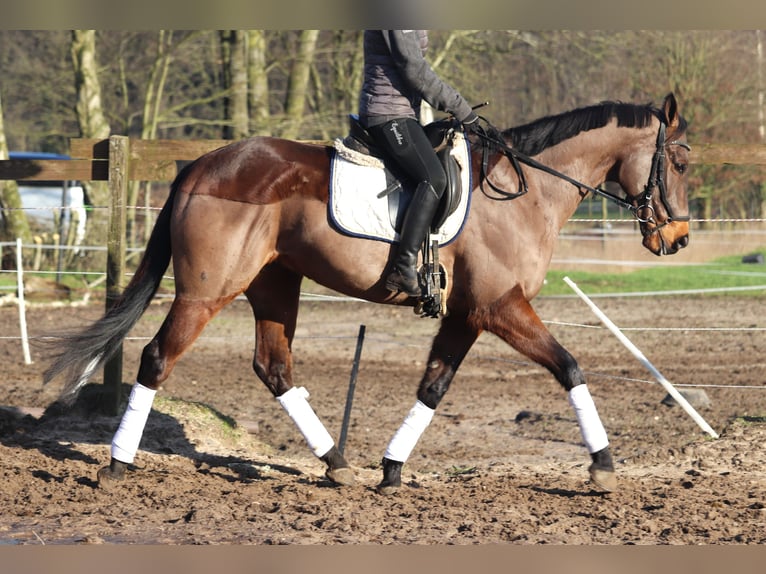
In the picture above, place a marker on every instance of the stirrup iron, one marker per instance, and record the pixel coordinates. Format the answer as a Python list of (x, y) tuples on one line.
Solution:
[(433, 278)]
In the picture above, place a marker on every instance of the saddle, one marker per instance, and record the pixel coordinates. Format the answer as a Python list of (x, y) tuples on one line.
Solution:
[(440, 134)]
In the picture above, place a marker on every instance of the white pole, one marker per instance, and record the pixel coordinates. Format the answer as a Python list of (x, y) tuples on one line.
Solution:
[(22, 304), (640, 356)]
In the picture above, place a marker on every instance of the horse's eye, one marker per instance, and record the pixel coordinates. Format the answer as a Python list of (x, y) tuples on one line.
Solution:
[(680, 167)]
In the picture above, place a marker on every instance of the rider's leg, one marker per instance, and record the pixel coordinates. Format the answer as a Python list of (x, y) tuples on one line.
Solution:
[(407, 144), (417, 222)]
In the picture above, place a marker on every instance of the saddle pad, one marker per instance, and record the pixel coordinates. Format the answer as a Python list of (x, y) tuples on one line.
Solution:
[(355, 205)]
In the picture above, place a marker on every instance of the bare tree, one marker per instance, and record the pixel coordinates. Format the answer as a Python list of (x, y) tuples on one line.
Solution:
[(16, 224), (304, 83), (258, 82), (151, 118), (761, 105), (234, 60), (337, 96), (761, 85), (298, 83), (156, 85), (712, 73), (90, 113)]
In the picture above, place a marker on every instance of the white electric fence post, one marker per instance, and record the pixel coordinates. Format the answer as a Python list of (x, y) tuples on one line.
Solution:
[(22, 304), (640, 356)]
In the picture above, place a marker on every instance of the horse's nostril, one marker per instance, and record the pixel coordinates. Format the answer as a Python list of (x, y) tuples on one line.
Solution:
[(683, 242)]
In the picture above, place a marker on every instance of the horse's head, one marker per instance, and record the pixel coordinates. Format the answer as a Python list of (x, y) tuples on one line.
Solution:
[(655, 179)]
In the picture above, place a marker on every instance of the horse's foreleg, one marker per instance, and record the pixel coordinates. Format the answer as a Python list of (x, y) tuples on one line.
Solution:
[(514, 321), (274, 298), (183, 324), (450, 346)]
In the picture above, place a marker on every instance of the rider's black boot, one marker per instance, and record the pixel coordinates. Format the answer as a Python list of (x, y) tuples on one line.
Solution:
[(417, 222)]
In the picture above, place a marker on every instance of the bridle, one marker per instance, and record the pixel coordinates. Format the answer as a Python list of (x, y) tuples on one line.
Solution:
[(657, 181), (640, 206)]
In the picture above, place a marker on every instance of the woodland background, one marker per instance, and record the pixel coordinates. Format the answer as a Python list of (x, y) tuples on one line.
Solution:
[(302, 84)]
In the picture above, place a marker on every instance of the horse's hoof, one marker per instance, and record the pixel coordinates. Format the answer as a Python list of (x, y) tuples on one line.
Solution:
[(338, 470), (342, 476), (603, 480), (392, 477), (387, 489), (109, 475), (108, 478)]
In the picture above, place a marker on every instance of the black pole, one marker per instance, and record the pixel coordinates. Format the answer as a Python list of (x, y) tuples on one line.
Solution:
[(351, 387)]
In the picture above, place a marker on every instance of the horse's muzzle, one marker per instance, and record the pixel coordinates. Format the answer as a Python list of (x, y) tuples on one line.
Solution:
[(667, 239)]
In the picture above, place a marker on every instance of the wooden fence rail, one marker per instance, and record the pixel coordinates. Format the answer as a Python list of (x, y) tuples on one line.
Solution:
[(119, 160), (157, 160)]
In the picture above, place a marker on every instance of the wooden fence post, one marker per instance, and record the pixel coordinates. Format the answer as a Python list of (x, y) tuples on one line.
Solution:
[(119, 158)]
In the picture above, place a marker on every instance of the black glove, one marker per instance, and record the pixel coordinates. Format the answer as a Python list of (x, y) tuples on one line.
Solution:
[(490, 133), (471, 123)]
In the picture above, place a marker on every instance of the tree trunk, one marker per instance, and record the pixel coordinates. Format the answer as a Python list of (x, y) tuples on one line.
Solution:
[(348, 70), (156, 85), (258, 80), (761, 107), (297, 89), (16, 224), (90, 113), (149, 125), (234, 56)]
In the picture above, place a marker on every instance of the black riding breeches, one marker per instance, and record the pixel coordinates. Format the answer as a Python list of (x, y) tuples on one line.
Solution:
[(405, 141)]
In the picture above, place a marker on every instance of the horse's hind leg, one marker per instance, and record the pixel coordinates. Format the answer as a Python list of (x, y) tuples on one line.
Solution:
[(513, 320), (274, 298), (181, 327), (449, 348)]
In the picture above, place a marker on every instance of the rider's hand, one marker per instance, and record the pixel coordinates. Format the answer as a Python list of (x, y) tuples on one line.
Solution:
[(490, 133), (471, 123)]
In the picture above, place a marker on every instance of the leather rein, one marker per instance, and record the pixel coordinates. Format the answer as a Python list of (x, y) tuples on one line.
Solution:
[(641, 205)]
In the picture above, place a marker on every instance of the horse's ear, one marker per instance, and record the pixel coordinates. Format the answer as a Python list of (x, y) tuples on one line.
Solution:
[(670, 107)]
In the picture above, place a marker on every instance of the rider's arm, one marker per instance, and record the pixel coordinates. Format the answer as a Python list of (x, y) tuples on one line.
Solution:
[(417, 72)]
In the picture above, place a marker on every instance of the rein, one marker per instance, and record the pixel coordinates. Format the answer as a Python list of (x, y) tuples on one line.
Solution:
[(656, 178)]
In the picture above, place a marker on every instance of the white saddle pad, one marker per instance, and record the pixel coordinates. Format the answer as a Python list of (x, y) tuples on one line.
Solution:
[(358, 207)]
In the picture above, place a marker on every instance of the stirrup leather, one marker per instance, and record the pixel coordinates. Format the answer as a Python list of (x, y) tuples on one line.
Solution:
[(434, 278)]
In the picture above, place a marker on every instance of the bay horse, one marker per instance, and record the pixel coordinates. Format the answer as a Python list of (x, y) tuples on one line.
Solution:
[(252, 218)]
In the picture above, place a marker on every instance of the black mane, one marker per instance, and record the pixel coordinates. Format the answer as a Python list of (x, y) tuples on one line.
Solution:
[(534, 137)]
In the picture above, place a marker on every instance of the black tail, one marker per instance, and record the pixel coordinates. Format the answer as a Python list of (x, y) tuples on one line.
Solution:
[(77, 356)]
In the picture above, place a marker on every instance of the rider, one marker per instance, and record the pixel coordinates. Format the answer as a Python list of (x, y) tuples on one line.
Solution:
[(396, 79)]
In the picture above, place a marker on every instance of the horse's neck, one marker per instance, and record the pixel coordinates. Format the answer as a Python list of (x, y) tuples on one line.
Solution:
[(587, 158), (590, 155)]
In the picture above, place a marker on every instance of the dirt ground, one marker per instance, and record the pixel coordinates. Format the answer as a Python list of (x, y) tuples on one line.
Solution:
[(502, 462)]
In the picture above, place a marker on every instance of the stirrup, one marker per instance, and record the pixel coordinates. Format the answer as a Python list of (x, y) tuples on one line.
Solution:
[(432, 304)]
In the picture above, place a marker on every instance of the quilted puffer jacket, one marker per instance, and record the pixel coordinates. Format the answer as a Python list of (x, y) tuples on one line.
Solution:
[(397, 78)]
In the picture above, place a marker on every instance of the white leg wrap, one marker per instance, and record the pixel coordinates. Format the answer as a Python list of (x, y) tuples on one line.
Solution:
[(405, 439), (128, 436), (297, 407), (593, 433)]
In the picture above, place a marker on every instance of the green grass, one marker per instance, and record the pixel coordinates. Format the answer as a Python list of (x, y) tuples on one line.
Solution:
[(726, 272)]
